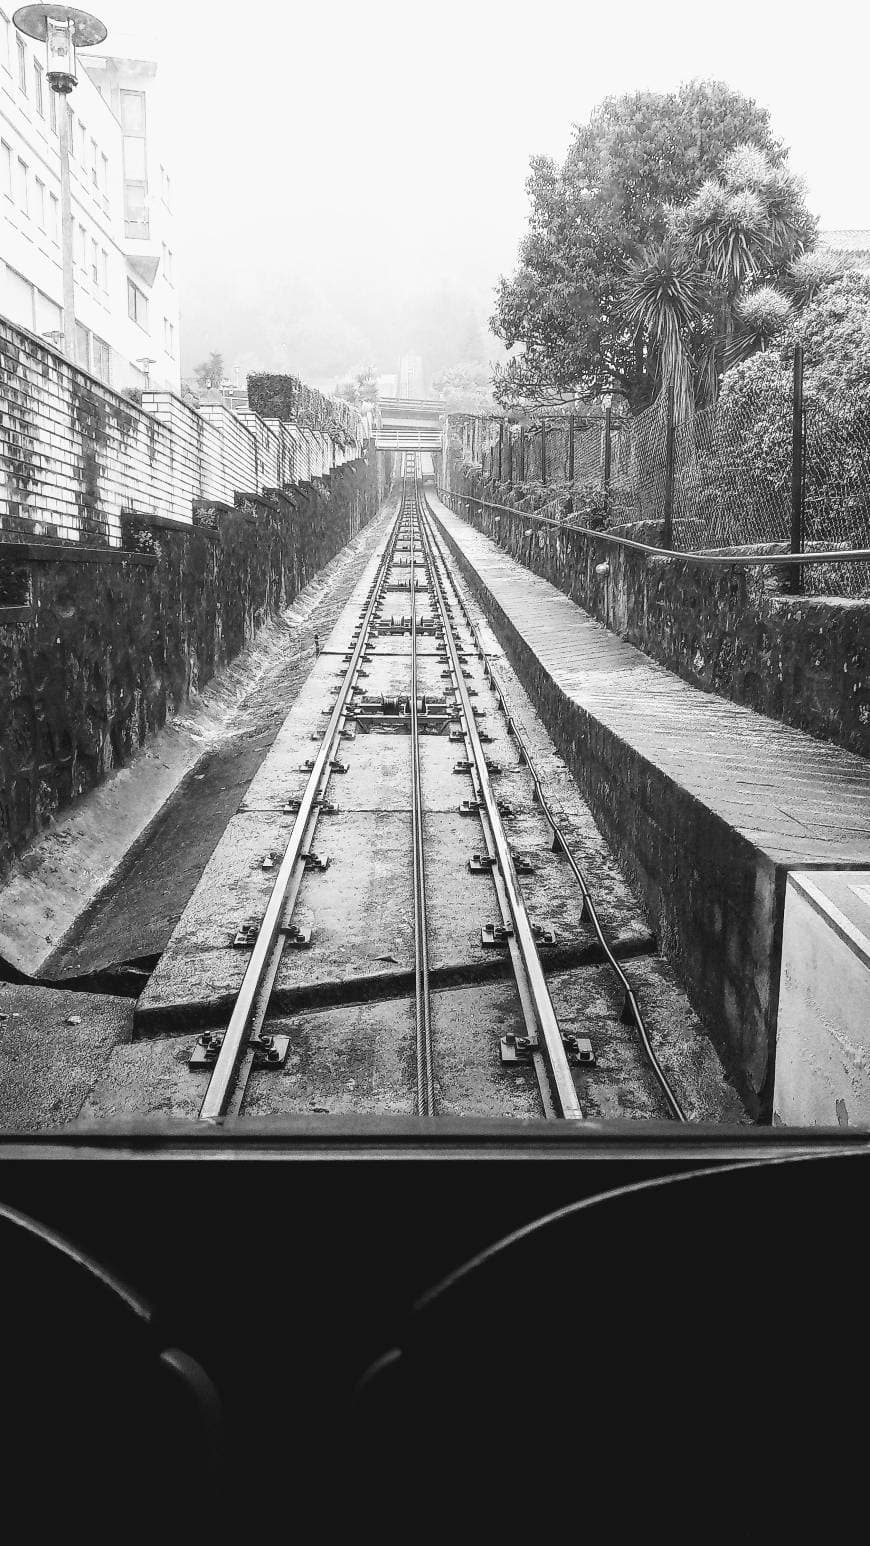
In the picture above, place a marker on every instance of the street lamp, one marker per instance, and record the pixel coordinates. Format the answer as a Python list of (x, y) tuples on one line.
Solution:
[(144, 365), (62, 29)]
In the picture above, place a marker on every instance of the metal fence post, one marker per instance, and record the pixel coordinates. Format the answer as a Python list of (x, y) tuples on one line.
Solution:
[(500, 445), (570, 448), (522, 453), (510, 446), (668, 536), (605, 472), (795, 572), (543, 450)]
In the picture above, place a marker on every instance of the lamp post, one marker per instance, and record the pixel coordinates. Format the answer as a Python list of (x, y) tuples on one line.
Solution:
[(62, 29), (145, 363)]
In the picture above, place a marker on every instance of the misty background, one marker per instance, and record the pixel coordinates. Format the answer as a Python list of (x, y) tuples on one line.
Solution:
[(349, 179)]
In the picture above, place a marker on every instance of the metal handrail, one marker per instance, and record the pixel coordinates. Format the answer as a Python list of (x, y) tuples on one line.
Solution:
[(690, 556)]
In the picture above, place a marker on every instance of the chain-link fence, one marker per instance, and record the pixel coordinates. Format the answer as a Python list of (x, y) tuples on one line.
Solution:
[(726, 479)]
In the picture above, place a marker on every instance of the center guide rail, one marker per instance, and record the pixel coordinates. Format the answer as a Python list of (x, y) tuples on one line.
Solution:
[(244, 1040)]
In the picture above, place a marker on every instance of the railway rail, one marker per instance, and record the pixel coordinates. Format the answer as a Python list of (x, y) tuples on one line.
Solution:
[(413, 565)]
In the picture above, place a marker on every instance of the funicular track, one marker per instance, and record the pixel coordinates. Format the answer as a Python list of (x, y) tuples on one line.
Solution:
[(413, 564)]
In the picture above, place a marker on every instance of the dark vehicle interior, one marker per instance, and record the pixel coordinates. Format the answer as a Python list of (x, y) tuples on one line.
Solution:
[(353, 1330)]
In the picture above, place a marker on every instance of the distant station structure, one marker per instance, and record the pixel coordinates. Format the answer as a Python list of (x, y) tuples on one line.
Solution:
[(408, 424), (409, 421)]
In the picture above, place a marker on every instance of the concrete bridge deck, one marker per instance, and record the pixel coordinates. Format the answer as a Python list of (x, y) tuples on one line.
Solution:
[(707, 804)]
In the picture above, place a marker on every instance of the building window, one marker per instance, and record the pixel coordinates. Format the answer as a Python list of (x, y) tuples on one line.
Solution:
[(136, 215), (104, 172), (104, 269), (101, 359), (6, 167), (37, 88), (52, 109), (95, 271), (167, 188), (94, 176), (22, 66), (4, 42), (70, 130), (54, 217), (40, 202), (83, 246), (83, 144), (169, 338), (83, 352), (136, 221), (23, 202), (137, 305)]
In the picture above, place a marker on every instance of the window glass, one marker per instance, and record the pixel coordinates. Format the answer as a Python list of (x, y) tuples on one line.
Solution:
[(4, 41), (83, 353), (54, 216), (37, 87), (6, 167), (136, 223), (133, 112), (104, 269), (52, 109), (23, 202), (40, 202), (22, 66), (137, 304), (104, 172), (101, 356), (94, 160), (95, 273)]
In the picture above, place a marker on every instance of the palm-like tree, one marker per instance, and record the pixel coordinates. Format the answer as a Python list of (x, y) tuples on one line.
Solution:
[(663, 301), (727, 233), (761, 316)]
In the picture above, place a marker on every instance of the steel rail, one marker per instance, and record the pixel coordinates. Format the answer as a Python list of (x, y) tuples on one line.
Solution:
[(265, 958), (425, 1074), (689, 555), (550, 1037), (631, 1006)]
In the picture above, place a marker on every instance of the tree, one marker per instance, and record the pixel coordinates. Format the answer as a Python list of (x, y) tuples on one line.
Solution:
[(664, 302), (465, 388), (211, 372), (360, 389), (745, 227), (638, 156)]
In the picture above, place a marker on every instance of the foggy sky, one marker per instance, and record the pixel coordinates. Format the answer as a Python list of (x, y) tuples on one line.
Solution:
[(334, 164)]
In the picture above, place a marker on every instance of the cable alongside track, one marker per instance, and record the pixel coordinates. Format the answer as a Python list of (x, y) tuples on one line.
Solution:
[(631, 1008)]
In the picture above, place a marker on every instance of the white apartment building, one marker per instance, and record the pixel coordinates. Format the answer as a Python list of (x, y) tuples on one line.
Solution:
[(126, 300)]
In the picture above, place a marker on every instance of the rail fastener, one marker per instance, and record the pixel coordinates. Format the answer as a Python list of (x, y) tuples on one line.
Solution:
[(519, 1050)]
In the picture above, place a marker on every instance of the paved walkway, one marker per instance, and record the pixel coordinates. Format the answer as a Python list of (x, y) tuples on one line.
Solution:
[(803, 801), (707, 804)]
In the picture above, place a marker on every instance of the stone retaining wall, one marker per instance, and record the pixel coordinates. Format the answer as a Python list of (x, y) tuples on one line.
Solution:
[(98, 645), (804, 660)]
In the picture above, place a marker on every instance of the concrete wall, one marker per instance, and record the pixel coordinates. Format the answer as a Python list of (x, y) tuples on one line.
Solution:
[(98, 645), (75, 456), (803, 660)]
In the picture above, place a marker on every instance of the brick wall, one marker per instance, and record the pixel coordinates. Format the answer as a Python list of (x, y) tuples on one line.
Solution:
[(74, 455)]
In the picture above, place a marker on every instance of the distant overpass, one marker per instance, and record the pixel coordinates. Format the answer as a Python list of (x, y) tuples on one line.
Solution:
[(408, 424)]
